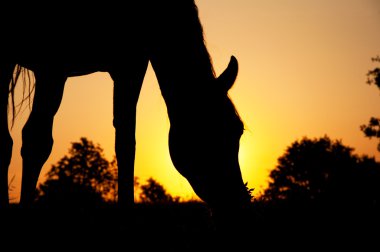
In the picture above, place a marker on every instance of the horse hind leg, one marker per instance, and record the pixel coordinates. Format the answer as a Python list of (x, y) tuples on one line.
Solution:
[(6, 142), (37, 133)]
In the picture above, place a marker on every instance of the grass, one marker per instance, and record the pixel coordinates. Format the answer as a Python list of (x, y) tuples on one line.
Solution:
[(189, 226)]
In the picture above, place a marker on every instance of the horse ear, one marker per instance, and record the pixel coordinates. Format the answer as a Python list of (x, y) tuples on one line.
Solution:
[(228, 77)]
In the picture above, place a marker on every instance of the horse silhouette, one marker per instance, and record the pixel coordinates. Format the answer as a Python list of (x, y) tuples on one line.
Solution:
[(205, 127)]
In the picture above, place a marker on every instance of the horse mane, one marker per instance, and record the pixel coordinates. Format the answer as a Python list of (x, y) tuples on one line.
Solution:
[(200, 31), (181, 60)]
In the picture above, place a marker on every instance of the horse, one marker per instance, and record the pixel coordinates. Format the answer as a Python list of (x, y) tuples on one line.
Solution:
[(205, 127)]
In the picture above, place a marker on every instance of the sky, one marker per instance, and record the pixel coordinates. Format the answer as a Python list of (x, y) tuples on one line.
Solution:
[(302, 73)]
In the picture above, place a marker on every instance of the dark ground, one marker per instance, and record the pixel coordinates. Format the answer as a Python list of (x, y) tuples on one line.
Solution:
[(189, 227)]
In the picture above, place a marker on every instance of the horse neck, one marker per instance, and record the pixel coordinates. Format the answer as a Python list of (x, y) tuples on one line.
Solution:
[(183, 79), (179, 56)]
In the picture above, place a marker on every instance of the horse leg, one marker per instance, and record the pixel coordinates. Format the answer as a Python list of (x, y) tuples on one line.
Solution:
[(127, 86), (6, 71), (37, 132)]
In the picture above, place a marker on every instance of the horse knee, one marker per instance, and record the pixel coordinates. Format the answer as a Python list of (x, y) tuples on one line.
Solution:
[(36, 144), (38, 151)]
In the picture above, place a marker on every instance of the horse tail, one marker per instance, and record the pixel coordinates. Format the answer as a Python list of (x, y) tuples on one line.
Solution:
[(24, 75)]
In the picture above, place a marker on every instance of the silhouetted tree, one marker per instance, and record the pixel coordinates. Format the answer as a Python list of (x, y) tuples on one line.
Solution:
[(321, 171), (374, 75), (372, 129), (83, 177), (154, 192)]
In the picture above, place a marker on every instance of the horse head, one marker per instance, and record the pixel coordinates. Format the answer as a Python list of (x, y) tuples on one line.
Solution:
[(205, 148)]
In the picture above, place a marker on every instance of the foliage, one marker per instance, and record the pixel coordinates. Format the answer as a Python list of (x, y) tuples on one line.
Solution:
[(372, 129), (374, 75), (84, 176), (154, 192), (249, 191), (323, 171)]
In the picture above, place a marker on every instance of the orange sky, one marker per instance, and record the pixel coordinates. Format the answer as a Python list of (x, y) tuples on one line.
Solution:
[(303, 66)]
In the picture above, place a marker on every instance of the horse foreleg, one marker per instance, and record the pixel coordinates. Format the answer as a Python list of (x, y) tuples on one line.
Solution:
[(6, 143), (37, 132), (127, 86)]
